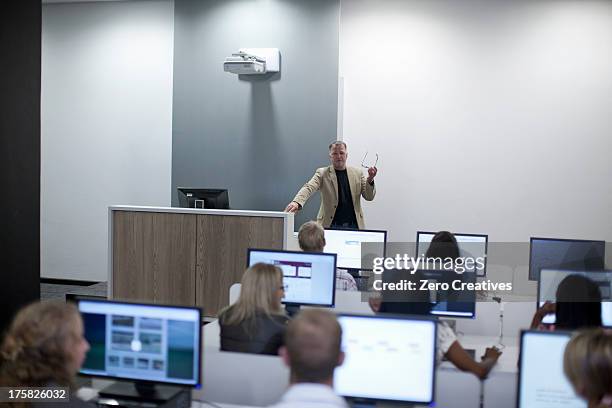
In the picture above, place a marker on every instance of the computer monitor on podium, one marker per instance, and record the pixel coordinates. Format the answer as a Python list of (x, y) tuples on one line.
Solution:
[(309, 278), (355, 248), (557, 253), (213, 198), (387, 359), (144, 343), (542, 382)]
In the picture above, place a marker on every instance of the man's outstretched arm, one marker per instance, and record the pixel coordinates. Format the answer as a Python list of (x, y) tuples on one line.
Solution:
[(305, 193)]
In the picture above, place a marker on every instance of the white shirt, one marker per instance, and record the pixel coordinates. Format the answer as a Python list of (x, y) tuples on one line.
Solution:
[(446, 338), (345, 281), (310, 395)]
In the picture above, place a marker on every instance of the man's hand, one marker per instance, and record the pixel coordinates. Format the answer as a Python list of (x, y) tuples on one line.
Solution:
[(371, 174), (547, 308), (293, 207)]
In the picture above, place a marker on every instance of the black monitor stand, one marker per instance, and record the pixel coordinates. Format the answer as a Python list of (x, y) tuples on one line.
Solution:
[(355, 273), (292, 310), (141, 391)]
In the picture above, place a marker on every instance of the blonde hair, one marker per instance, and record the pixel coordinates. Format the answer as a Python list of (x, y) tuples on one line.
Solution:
[(258, 295), (311, 237), (587, 363), (313, 341), (35, 350)]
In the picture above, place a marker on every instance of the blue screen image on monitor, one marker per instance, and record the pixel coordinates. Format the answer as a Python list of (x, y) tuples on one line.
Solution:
[(142, 342)]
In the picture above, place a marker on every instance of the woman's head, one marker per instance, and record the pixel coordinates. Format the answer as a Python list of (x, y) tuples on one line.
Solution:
[(262, 287), (587, 363), (44, 344), (261, 292), (443, 245), (578, 303)]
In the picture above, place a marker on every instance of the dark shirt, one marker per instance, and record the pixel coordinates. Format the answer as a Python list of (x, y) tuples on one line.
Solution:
[(345, 212), (263, 335)]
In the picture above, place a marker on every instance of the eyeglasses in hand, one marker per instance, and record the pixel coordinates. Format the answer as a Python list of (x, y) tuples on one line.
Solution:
[(364, 159)]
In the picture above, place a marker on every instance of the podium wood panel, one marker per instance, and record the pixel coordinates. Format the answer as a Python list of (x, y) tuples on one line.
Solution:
[(154, 257), (221, 253)]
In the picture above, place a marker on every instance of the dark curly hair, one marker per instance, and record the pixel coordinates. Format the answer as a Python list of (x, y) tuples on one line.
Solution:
[(35, 350)]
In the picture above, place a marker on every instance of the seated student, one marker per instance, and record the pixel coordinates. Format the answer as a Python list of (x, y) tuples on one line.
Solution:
[(443, 245), (578, 305), (44, 347), (587, 364), (416, 302), (311, 238), (256, 323), (312, 352)]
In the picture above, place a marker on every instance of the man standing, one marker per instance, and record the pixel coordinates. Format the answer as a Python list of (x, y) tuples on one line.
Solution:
[(312, 352), (341, 190)]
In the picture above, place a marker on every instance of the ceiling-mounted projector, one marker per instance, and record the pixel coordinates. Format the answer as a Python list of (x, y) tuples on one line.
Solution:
[(253, 61)]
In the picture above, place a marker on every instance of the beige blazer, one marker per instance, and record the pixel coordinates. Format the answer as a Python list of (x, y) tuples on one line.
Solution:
[(325, 180)]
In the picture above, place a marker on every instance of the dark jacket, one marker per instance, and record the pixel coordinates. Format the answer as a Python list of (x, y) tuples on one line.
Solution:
[(261, 335)]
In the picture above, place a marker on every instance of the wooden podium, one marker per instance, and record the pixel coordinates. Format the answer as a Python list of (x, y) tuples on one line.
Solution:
[(186, 256)]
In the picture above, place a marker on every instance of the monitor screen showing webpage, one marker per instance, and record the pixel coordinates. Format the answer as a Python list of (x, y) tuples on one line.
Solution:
[(309, 278), (550, 279), (142, 342), (347, 244), (378, 350), (542, 383), (470, 246)]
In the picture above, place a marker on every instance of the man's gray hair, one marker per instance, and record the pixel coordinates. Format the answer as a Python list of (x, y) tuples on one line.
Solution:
[(337, 143)]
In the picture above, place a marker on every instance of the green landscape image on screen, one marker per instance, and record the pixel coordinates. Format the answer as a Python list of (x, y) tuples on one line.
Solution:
[(181, 349), (95, 332)]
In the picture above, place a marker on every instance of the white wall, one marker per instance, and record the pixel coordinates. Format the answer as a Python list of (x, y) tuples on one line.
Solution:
[(489, 116), (106, 125)]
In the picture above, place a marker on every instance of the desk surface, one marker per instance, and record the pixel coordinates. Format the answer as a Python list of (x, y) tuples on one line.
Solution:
[(181, 210), (507, 363)]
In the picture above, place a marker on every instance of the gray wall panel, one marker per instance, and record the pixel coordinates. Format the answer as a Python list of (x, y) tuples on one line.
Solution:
[(260, 137)]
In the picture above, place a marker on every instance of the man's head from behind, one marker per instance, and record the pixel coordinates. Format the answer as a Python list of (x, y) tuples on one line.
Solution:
[(338, 155), (312, 347), (311, 237)]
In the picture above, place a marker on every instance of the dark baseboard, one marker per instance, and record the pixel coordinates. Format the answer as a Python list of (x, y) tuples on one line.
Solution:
[(55, 281)]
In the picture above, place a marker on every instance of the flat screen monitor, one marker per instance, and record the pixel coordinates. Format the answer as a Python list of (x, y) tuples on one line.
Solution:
[(347, 244), (542, 383), (142, 342), (470, 246), (574, 254), (212, 198), (309, 278), (387, 358), (551, 278), (447, 293)]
